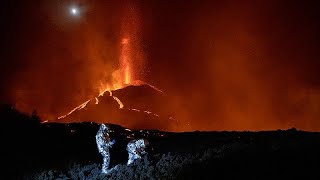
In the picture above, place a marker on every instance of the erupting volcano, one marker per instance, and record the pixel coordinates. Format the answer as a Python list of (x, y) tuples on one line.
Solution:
[(124, 99), (210, 89), (222, 66), (134, 106)]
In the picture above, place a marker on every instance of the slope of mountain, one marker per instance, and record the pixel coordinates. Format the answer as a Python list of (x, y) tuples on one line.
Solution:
[(135, 106)]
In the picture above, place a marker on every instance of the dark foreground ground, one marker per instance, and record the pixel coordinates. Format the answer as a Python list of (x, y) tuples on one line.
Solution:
[(31, 150)]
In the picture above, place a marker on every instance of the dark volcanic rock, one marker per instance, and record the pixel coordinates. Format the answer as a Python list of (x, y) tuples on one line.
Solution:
[(68, 151)]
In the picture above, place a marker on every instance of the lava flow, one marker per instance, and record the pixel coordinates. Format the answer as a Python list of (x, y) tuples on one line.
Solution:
[(83, 105), (116, 99)]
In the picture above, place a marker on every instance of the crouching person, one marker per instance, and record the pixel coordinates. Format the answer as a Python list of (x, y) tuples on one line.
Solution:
[(104, 143), (136, 148)]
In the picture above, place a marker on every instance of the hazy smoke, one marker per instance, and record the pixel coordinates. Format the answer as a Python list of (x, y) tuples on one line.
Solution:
[(233, 66), (239, 66)]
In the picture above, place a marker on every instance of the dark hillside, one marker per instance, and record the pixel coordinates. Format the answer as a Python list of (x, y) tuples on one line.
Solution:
[(51, 150)]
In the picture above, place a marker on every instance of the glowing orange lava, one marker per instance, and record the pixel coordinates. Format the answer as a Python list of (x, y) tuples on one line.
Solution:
[(116, 99), (122, 76), (130, 55), (75, 109)]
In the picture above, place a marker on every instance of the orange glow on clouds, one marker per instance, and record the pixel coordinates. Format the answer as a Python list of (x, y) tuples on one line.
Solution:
[(223, 65)]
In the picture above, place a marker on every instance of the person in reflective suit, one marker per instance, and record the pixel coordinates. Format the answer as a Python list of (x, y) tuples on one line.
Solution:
[(104, 143), (136, 148)]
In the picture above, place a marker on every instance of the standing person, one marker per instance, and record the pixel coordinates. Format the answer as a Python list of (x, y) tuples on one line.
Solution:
[(136, 148), (104, 143)]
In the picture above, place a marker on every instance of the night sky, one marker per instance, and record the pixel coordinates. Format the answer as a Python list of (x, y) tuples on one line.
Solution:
[(247, 65)]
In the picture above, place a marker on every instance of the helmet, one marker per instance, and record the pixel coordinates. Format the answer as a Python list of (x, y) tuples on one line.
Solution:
[(104, 127)]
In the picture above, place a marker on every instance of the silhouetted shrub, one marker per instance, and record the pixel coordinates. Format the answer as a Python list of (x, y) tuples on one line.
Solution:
[(162, 166)]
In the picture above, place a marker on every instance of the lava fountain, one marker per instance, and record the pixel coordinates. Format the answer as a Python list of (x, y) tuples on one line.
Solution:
[(131, 59)]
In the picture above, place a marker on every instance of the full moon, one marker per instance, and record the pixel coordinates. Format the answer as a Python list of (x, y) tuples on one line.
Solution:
[(74, 11)]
